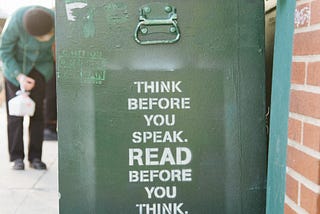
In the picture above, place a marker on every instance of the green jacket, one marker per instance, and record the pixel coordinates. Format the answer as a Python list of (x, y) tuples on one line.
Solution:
[(20, 52)]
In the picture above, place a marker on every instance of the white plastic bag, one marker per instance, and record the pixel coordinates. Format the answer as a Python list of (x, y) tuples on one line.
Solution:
[(21, 105)]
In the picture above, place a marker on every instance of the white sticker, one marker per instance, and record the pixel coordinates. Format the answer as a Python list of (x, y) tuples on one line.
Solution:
[(71, 6)]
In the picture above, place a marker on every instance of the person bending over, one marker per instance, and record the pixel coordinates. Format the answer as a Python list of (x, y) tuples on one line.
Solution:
[(26, 53)]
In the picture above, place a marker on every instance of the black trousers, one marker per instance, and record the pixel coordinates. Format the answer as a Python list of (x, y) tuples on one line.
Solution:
[(15, 124), (50, 104)]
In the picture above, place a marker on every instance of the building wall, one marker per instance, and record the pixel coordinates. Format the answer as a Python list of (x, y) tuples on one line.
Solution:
[(303, 150), (2, 21)]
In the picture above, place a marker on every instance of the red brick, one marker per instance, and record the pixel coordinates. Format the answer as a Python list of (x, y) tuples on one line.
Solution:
[(310, 201), (302, 15), (311, 136), (306, 43), (304, 164), (298, 72), (314, 74), (288, 210), (315, 12), (294, 130), (305, 103), (292, 188)]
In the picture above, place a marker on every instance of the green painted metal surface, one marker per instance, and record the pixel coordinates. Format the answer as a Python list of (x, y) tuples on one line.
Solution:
[(280, 106), (173, 127)]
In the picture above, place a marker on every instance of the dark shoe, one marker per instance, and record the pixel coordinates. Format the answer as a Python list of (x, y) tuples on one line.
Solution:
[(18, 164), (50, 135), (38, 164)]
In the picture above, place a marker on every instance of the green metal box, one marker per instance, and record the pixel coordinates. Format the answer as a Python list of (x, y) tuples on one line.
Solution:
[(161, 106)]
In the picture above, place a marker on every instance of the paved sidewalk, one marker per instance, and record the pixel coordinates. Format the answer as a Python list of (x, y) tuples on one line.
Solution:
[(29, 191)]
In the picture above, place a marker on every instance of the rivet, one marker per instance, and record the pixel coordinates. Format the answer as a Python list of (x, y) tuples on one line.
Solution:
[(168, 9), (173, 29), (147, 9), (144, 30)]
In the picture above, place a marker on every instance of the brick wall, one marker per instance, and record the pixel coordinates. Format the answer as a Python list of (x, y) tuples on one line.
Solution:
[(303, 151)]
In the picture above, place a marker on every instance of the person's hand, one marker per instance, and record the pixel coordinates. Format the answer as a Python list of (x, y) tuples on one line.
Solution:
[(26, 83)]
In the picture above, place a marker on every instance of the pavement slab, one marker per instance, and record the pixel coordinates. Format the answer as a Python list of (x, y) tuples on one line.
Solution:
[(28, 191)]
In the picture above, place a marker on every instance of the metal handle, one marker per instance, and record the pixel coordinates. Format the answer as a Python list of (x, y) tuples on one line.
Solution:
[(146, 20)]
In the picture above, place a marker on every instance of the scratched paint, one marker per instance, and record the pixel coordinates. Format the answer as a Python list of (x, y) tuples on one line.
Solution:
[(78, 10), (116, 12), (302, 16), (89, 28)]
